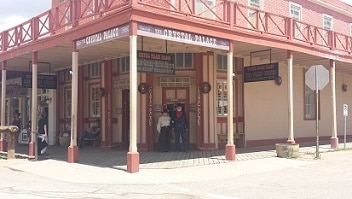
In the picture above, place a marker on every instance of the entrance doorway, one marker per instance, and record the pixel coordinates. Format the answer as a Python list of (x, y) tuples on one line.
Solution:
[(173, 96)]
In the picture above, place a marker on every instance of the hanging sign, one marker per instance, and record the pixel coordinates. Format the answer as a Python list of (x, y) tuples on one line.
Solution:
[(152, 62), (43, 81), (261, 72)]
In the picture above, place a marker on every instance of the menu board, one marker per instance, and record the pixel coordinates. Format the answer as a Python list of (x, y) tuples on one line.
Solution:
[(152, 62)]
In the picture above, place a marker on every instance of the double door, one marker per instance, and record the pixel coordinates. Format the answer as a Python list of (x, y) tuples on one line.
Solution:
[(176, 95)]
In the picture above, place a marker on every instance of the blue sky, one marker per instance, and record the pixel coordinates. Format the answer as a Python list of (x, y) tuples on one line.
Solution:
[(14, 12)]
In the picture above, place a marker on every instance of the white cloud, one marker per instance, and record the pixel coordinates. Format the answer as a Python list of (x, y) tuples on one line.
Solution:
[(14, 12), (347, 1)]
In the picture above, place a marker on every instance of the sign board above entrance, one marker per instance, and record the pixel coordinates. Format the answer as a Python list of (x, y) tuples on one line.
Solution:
[(261, 72), (152, 62), (43, 82), (181, 36), (104, 36)]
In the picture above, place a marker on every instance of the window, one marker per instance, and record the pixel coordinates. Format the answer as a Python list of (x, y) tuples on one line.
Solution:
[(95, 101), (309, 101), (252, 13), (95, 70), (350, 29), (68, 75), (327, 26), (183, 60), (222, 62), (296, 13), (68, 102), (203, 8), (125, 64), (222, 98)]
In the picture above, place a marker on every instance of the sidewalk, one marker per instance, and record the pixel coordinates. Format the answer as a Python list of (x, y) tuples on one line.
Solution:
[(109, 166)]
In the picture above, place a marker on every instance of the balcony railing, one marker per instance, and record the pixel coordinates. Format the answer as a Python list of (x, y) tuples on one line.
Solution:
[(224, 14)]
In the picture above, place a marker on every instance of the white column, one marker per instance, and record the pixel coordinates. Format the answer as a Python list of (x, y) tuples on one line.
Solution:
[(290, 96), (230, 97), (133, 93), (3, 96), (74, 96), (334, 139), (34, 108)]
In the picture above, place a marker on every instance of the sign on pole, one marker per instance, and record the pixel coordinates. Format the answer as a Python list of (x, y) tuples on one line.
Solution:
[(316, 77), (345, 114)]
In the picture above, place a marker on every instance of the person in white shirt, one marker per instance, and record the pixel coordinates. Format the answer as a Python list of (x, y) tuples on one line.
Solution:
[(164, 130)]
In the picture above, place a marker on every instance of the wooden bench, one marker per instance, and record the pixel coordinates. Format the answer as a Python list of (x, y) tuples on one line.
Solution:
[(95, 141), (222, 137)]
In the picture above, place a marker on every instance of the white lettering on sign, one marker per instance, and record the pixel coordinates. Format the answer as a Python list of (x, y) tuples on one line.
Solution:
[(181, 36), (103, 36)]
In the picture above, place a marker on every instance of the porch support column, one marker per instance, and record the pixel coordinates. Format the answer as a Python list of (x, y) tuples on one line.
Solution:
[(133, 155), (34, 103), (334, 141), (72, 153), (230, 152), (3, 104), (291, 138)]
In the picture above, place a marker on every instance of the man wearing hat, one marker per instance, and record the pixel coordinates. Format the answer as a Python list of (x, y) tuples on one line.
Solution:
[(180, 123), (163, 128)]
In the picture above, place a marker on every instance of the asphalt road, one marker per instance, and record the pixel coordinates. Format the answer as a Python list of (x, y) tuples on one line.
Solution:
[(305, 177)]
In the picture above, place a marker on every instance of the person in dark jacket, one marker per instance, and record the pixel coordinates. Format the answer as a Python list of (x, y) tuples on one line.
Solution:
[(180, 124)]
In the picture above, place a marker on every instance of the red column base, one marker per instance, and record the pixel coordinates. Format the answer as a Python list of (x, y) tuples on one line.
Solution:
[(291, 141), (3, 145), (230, 152), (334, 141), (72, 154), (31, 149), (132, 162)]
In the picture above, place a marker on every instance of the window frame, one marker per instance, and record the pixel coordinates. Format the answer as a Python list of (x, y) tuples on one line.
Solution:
[(292, 7), (221, 98), (307, 90), (200, 8)]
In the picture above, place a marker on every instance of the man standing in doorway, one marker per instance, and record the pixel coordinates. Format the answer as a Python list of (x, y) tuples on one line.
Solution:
[(180, 123)]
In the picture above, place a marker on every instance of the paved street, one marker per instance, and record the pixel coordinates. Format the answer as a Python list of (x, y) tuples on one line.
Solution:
[(256, 174)]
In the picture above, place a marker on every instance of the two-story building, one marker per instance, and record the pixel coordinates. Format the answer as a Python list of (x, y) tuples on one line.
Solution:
[(238, 67)]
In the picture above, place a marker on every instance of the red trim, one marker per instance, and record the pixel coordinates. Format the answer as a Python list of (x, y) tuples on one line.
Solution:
[(198, 60), (108, 103)]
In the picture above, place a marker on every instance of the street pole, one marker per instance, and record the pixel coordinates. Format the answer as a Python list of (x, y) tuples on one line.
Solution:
[(317, 115)]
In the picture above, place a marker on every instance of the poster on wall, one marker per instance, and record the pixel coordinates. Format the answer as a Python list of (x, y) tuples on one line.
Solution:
[(261, 72), (153, 62)]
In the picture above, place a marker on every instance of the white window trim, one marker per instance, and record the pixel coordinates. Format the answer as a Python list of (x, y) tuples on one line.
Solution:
[(332, 22), (350, 29), (261, 4), (297, 5)]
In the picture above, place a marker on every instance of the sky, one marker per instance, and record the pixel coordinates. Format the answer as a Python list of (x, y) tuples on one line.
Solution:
[(14, 12)]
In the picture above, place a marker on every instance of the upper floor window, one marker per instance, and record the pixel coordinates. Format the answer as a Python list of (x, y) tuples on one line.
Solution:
[(183, 60), (327, 25), (203, 8), (95, 70), (252, 13), (296, 13), (222, 62), (350, 29), (255, 3), (327, 22)]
